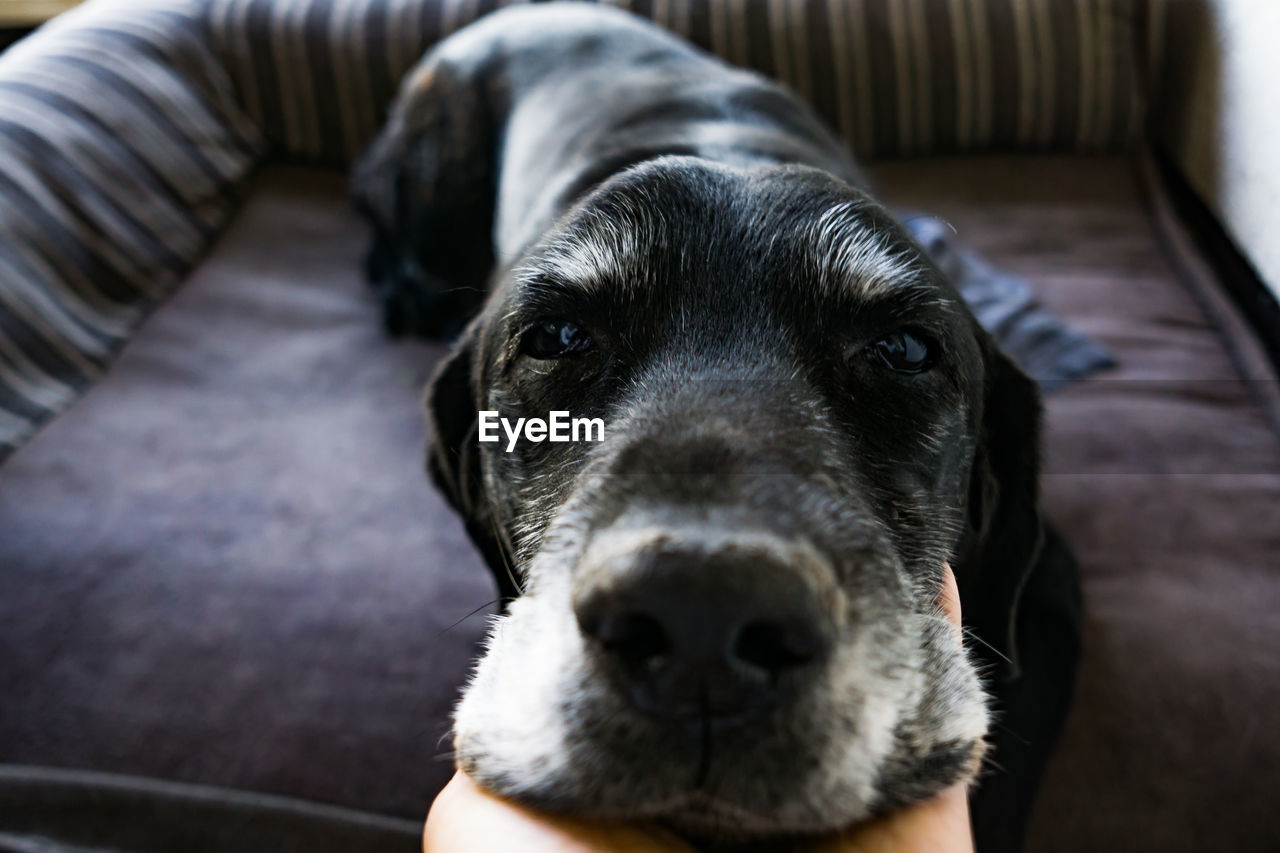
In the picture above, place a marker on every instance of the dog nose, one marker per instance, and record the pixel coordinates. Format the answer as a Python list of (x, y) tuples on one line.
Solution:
[(691, 634)]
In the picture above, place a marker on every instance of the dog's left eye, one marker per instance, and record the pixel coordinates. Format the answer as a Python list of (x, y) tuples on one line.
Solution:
[(903, 351), (554, 339)]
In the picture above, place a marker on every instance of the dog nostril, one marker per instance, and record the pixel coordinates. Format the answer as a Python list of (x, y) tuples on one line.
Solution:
[(635, 637), (774, 646)]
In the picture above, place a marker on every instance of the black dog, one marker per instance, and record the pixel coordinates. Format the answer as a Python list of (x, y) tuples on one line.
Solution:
[(725, 612)]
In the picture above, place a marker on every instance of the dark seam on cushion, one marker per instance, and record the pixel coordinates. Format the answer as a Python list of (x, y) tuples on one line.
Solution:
[(1218, 278)]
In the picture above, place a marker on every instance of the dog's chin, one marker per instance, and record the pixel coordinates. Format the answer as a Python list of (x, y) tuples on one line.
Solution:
[(752, 801), (722, 819), (697, 816), (709, 821)]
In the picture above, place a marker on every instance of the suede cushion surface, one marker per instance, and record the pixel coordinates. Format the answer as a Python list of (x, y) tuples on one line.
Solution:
[(225, 565)]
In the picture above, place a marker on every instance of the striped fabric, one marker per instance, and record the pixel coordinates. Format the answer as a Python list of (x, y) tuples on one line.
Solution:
[(127, 125), (121, 144), (893, 76)]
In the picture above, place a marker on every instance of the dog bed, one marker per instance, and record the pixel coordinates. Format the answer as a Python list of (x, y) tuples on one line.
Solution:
[(224, 566)]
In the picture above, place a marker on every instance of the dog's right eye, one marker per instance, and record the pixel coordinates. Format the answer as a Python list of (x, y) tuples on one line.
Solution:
[(554, 339), (904, 351)]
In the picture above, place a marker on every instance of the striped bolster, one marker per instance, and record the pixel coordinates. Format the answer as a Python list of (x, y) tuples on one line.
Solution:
[(123, 137), (120, 147), (893, 76)]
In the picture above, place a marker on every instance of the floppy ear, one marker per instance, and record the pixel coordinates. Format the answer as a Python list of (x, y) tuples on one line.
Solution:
[(453, 455), (1006, 532)]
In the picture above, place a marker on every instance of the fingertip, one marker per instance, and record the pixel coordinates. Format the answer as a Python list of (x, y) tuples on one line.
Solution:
[(949, 595)]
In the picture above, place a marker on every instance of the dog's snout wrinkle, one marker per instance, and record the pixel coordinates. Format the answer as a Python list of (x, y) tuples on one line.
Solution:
[(694, 630)]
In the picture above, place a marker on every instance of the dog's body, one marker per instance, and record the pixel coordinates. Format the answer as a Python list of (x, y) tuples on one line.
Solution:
[(727, 617)]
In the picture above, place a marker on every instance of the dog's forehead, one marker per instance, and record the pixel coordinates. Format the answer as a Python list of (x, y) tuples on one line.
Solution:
[(692, 221)]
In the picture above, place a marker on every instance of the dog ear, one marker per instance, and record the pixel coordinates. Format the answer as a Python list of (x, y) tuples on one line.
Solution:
[(453, 454), (1006, 531)]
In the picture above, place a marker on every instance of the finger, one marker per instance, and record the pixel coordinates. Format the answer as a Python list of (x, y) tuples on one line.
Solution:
[(949, 598)]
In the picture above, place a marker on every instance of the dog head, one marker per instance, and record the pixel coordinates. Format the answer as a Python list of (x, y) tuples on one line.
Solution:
[(727, 610)]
